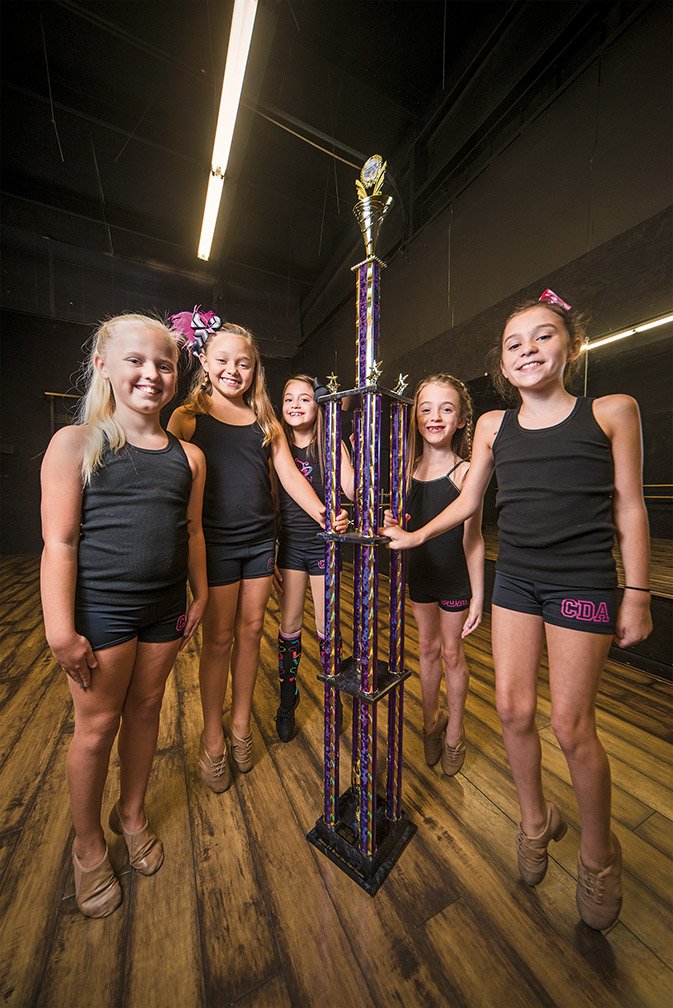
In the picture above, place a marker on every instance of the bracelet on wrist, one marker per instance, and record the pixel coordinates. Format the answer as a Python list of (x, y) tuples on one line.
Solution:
[(633, 588)]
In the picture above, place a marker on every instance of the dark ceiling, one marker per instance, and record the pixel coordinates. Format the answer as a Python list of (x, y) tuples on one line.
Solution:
[(109, 111)]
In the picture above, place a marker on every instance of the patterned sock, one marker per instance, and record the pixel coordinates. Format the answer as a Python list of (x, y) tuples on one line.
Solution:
[(289, 653)]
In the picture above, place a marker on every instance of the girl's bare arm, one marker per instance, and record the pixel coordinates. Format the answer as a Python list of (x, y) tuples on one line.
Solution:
[(619, 418), (61, 481), (198, 580), (471, 494)]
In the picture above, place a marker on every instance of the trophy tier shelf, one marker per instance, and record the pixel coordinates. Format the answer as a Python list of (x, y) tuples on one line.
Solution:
[(348, 680), (364, 390)]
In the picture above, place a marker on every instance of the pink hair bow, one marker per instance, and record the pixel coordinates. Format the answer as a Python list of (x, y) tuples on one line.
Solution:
[(196, 326), (551, 298)]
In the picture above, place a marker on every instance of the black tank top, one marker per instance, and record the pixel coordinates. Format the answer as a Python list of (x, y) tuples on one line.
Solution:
[(134, 538), (437, 567), (554, 500), (237, 502), (297, 527)]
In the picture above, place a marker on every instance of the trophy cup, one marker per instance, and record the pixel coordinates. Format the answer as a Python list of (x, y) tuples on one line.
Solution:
[(364, 831)]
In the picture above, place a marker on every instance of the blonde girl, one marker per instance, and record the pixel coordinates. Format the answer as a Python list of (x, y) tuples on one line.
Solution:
[(569, 472), (121, 521), (229, 416)]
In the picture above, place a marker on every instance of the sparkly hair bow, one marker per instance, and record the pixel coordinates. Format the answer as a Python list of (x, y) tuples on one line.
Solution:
[(551, 298), (196, 326)]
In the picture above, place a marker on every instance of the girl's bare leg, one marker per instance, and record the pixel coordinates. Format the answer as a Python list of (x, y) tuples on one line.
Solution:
[(517, 645), (252, 599), (318, 594), (576, 661), (292, 601), (457, 673), (97, 715), (427, 619), (140, 726), (218, 635)]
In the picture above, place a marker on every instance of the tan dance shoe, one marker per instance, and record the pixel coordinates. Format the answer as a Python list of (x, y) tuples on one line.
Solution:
[(97, 889), (146, 851), (531, 852)]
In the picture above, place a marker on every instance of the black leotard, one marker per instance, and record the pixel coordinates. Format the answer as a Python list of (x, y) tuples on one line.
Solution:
[(554, 498), (134, 538), (297, 527), (237, 501), (437, 567)]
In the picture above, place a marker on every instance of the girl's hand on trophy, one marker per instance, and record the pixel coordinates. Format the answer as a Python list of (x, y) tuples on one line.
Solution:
[(399, 539), (389, 520), (341, 522)]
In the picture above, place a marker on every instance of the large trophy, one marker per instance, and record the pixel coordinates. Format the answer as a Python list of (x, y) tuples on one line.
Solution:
[(363, 830)]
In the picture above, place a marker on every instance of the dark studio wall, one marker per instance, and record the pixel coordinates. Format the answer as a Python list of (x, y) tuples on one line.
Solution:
[(576, 197)]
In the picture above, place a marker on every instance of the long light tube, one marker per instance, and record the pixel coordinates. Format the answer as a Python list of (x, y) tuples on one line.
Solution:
[(604, 340), (242, 23)]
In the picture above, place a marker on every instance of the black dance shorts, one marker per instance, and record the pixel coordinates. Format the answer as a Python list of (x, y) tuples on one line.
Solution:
[(229, 564), (451, 602), (160, 621), (308, 556), (593, 610)]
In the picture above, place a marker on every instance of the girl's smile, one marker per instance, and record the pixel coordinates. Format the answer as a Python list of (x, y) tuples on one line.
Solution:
[(140, 368), (439, 413), (535, 346), (228, 364), (299, 406)]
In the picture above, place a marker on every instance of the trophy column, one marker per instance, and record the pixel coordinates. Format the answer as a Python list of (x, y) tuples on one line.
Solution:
[(363, 831)]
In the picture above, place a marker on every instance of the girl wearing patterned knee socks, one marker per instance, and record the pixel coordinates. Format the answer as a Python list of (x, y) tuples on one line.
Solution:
[(301, 554)]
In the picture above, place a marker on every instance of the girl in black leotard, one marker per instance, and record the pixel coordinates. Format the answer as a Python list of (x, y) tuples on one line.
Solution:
[(229, 415), (569, 474), (445, 576), (301, 551), (121, 522)]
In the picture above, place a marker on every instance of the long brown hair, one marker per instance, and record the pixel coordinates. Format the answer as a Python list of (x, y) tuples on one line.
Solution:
[(316, 446), (256, 397), (574, 325), (461, 442)]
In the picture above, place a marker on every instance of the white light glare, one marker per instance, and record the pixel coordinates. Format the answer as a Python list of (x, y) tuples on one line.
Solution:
[(627, 332), (242, 23)]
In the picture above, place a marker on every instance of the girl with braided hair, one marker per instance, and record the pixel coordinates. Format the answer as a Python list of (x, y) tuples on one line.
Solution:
[(446, 575)]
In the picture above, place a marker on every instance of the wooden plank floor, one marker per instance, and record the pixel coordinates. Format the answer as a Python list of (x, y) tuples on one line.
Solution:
[(246, 912)]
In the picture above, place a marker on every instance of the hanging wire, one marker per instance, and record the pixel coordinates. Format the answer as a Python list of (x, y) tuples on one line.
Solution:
[(102, 194), (332, 119), (293, 15), (324, 207), (51, 101), (135, 129)]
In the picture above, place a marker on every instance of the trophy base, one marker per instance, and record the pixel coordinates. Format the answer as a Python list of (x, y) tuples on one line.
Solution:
[(339, 843)]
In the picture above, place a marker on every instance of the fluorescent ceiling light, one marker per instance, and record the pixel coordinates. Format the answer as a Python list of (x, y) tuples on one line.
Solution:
[(242, 23), (604, 340)]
